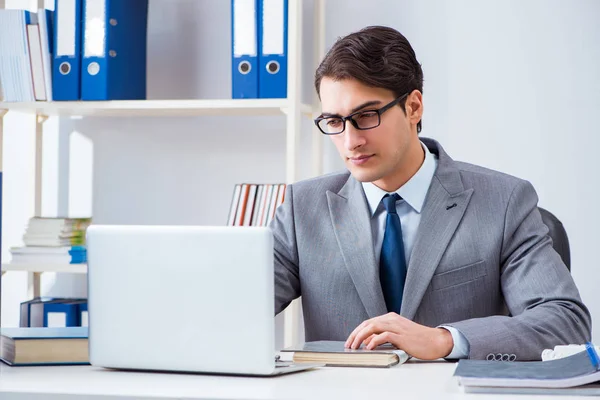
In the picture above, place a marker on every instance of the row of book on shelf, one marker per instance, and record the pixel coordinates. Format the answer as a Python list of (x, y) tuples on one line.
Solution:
[(255, 204), (97, 50), (53, 241), (83, 50)]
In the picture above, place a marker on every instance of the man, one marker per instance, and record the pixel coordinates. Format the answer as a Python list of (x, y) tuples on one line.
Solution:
[(438, 257)]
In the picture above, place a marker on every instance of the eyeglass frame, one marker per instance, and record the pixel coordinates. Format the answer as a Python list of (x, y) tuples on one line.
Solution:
[(379, 111)]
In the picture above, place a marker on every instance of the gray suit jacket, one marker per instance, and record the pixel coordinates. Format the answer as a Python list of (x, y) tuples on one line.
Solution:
[(482, 262)]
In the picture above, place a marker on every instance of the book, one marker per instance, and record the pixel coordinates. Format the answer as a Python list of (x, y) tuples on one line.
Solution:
[(49, 255), (44, 346), (56, 232), (58, 224), (234, 204), (576, 374), (334, 354)]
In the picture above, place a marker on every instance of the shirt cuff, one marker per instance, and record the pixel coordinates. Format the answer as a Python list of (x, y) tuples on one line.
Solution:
[(461, 344)]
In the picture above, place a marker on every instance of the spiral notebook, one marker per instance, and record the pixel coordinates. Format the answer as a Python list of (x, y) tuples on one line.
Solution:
[(577, 374)]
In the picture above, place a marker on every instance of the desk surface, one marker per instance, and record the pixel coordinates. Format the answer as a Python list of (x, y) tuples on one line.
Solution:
[(423, 380)]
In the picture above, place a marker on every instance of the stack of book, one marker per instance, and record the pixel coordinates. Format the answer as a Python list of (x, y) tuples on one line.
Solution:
[(254, 204), (53, 241)]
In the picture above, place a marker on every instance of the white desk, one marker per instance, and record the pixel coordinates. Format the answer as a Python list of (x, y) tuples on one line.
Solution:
[(409, 381)]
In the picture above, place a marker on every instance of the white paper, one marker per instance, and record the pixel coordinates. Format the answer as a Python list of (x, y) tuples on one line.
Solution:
[(84, 318), (65, 28), (57, 320), (94, 37), (244, 28), (273, 22)]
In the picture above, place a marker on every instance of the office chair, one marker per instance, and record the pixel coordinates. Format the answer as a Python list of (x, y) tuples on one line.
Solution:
[(560, 240)]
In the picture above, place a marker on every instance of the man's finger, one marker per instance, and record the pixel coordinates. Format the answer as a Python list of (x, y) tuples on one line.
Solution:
[(368, 340), (370, 329), (382, 338), (360, 327)]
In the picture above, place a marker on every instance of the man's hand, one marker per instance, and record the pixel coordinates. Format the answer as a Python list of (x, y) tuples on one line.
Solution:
[(417, 340)]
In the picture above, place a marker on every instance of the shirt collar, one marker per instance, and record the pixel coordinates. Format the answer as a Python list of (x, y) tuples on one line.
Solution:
[(413, 192)]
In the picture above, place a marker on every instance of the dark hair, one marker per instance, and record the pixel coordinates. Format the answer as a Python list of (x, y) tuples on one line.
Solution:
[(376, 56)]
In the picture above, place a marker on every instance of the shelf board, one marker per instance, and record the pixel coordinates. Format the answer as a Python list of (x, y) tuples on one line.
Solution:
[(72, 268), (158, 108)]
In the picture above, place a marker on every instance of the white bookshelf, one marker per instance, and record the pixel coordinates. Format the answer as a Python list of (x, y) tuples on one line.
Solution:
[(40, 268), (292, 108), (158, 108)]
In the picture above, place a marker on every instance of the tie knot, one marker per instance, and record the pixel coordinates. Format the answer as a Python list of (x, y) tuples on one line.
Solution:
[(389, 202)]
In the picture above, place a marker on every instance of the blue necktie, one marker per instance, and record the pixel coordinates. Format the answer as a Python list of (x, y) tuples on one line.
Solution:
[(392, 264)]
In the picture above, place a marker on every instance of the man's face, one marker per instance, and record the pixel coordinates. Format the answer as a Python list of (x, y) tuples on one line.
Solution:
[(375, 155)]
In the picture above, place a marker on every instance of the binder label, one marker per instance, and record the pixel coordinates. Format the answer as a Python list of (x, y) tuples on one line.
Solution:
[(57, 319), (273, 37), (95, 28), (244, 28), (65, 28)]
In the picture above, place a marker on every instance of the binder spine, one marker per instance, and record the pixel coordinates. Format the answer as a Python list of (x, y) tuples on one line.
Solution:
[(94, 74), (244, 49), (273, 40), (66, 69)]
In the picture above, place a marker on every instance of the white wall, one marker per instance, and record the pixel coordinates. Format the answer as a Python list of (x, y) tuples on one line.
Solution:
[(510, 85)]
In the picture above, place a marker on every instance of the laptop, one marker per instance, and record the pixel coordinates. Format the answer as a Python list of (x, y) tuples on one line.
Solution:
[(183, 298)]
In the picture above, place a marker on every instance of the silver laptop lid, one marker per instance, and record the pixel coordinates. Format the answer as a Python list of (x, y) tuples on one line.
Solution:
[(181, 298)]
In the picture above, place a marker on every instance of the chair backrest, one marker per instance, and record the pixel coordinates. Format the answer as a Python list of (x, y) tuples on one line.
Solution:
[(560, 240)]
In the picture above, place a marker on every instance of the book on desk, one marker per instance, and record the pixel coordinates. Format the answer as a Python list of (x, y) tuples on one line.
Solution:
[(334, 354), (44, 346)]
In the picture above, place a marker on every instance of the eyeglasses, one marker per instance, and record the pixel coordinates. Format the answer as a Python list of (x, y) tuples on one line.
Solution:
[(361, 120)]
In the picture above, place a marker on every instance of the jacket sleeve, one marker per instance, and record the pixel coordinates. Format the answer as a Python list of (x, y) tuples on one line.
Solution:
[(544, 305), (287, 278)]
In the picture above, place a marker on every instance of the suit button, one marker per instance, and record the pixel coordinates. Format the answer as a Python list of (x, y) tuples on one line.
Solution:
[(512, 357), (505, 357), (490, 357), (498, 357)]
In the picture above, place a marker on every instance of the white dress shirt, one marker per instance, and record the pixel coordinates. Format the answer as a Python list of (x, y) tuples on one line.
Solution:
[(413, 195)]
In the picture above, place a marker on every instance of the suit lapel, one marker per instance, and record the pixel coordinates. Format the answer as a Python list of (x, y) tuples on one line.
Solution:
[(444, 207), (352, 226)]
